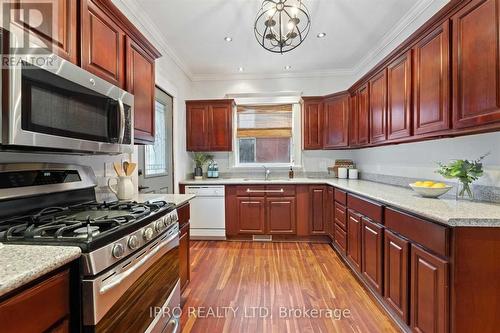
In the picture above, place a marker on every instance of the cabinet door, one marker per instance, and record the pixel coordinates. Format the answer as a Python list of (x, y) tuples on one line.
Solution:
[(60, 34), (313, 124), (431, 82), (354, 239), (318, 197), (399, 98), (363, 115), (197, 127), (331, 213), (336, 125), (281, 218), (429, 292), (251, 215), (378, 107), (141, 83), (103, 46), (353, 121), (396, 274), (371, 258), (184, 256), (476, 64), (220, 127)]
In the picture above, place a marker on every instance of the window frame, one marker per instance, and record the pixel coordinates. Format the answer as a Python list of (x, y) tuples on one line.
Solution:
[(295, 144)]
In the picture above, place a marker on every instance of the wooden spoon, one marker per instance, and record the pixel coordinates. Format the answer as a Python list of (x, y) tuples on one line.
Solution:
[(118, 168), (125, 167), (130, 169)]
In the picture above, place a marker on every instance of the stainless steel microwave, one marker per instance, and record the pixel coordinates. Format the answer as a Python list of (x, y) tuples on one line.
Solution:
[(49, 103)]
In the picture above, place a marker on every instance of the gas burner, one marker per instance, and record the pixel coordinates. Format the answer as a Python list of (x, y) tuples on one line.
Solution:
[(88, 231)]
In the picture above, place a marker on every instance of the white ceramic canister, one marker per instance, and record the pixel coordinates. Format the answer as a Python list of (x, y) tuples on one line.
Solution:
[(342, 173), (353, 173)]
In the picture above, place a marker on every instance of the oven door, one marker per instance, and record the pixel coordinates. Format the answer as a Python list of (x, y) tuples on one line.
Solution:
[(52, 103), (140, 295)]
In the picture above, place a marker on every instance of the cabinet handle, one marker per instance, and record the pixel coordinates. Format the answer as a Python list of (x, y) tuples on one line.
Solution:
[(265, 191)]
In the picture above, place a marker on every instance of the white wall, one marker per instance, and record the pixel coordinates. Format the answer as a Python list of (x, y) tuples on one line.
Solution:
[(418, 160)]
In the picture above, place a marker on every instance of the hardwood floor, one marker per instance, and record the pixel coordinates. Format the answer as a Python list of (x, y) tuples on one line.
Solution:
[(251, 286)]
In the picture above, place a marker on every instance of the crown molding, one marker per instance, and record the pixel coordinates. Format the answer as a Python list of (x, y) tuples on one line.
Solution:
[(373, 56), (132, 9)]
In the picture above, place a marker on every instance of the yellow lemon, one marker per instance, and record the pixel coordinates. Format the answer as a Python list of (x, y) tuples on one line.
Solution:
[(428, 183), (419, 184), (439, 185)]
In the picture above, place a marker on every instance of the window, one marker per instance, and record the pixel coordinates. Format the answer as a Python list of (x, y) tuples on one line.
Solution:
[(155, 160), (264, 134)]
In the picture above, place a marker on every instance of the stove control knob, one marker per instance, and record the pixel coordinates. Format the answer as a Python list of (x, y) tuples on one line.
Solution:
[(133, 242), (159, 225), (148, 234), (118, 251)]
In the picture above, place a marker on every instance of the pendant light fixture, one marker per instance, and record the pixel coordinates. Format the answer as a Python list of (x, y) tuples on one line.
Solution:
[(282, 25)]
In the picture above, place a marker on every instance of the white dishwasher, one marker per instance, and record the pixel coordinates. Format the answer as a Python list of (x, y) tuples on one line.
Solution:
[(208, 214)]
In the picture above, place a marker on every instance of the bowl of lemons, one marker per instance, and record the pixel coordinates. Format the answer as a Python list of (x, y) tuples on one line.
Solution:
[(430, 189)]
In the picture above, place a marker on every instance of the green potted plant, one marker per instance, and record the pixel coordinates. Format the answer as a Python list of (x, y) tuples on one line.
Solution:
[(200, 159), (465, 171)]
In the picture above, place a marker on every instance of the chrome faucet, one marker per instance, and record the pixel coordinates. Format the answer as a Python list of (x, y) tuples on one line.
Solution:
[(267, 172)]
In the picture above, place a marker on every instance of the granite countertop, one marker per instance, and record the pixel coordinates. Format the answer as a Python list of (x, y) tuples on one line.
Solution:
[(177, 199), (21, 264), (446, 211)]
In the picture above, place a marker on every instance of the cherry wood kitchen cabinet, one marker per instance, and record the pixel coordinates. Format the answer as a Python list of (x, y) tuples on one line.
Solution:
[(431, 82), (378, 107), (312, 123), (476, 64), (59, 35), (251, 215), (44, 307), (141, 83), (399, 82), (429, 292), (318, 197), (363, 115), (209, 125), (184, 214), (330, 206), (281, 215), (354, 239), (372, 253), (353, 121), (396, 274), (336, 123), (103, 44)]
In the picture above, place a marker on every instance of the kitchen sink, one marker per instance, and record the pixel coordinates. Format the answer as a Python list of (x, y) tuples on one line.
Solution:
[(263, 180)]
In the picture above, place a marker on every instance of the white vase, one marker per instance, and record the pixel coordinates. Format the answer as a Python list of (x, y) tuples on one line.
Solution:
[(124, 187)]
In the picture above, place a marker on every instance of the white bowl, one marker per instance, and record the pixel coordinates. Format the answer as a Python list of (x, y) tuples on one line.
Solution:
[(430, 192)]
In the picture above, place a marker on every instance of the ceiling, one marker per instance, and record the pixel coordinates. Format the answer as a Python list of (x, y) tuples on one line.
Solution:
[(194, 31)]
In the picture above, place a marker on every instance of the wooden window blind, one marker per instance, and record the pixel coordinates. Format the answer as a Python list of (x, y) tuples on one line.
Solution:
[(273, 121)]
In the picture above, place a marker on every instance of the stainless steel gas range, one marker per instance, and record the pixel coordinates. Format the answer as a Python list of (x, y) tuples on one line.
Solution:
[(129, 270)]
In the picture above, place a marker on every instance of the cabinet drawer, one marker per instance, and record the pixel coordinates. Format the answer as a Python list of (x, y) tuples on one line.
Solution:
[(45, 304), (280, 191), (184, 213), (340, 215), (365, 207), (428, 234), (251, 191), (341, 196), (341, 239)]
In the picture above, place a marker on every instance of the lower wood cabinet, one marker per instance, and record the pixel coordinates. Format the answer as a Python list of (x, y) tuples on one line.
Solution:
[(330, 207), (396, 274), (318, 201), (372, 254), (354, 239), (429, 292), (45, 307), (184, 263), (251, 215), (281, 216)]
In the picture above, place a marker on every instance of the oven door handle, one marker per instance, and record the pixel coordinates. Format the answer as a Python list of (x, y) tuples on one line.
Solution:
[(119, 278), (122, 121)]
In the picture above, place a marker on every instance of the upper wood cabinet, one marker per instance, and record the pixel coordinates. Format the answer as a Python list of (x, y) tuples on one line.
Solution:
[(141, 83), (476, 64), (378, 107), (60, 34), (103, 44), (431, 82), (363, 105), (312, 123), (209, 125), (399, 98), (336, 123), (353, 121)]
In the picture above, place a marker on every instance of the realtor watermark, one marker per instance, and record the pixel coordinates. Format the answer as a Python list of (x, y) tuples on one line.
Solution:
[(257, 312), (20, 45)]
